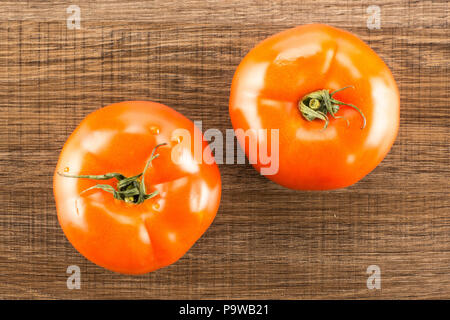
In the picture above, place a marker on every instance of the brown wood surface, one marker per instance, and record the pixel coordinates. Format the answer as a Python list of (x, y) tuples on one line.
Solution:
[(267, 241)]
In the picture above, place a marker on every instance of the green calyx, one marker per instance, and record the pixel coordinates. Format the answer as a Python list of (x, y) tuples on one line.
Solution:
[(320, 103), (129, 189)]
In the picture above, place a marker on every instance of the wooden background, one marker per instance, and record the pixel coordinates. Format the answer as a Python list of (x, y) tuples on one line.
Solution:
[(267, 241)]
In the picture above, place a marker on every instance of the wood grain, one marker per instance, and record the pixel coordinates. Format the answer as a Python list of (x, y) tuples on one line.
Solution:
[(267, 241)]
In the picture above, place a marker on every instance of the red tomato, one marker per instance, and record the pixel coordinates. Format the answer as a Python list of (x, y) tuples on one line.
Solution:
[(116, 226), (307, 64)]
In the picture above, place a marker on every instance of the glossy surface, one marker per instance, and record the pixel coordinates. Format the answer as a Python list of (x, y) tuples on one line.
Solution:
[(279, 71), (125, 237)]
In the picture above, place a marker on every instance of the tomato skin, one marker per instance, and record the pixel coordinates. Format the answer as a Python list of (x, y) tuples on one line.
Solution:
[(282, 69), (124, 237)]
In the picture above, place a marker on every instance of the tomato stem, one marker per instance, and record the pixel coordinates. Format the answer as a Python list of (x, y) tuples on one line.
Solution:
[(317, 105), (129, 189)]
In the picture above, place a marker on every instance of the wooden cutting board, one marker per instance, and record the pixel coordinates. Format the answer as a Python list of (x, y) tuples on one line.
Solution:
[(267, 241)]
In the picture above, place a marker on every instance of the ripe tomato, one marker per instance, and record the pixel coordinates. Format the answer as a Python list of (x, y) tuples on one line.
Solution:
[(288, 82), (114, 224)]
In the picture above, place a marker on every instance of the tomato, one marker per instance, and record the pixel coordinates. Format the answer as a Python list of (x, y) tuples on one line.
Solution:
[(328, 139), (149, 221)]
